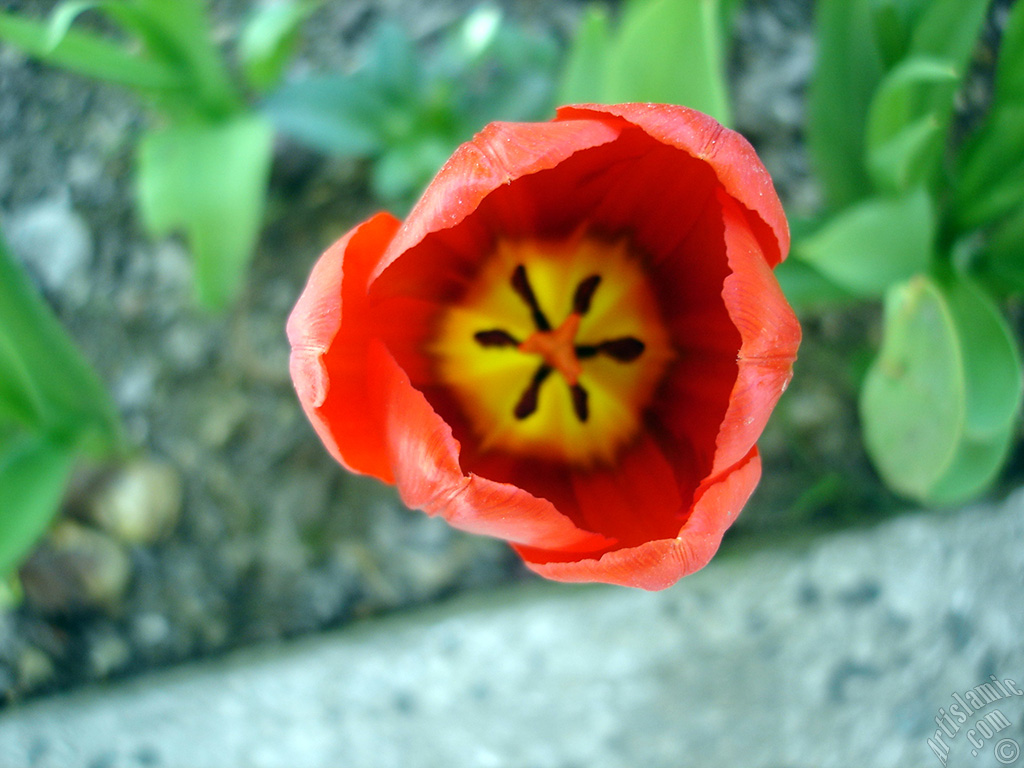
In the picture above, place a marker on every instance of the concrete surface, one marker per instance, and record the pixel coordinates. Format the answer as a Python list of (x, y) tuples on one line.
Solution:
[(842, 651)]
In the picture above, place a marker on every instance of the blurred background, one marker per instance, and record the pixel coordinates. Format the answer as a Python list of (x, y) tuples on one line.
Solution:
[(170, 171)]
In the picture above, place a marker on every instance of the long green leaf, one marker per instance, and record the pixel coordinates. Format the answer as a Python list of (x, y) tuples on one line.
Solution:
[(209, 181), (848, 68), (269, 38), (89, 55), (33, 475), (670, 51), (907, 123), (1003, 255), (178, 35), (949, 29), (72, 407), (584, 75), (991, 163)]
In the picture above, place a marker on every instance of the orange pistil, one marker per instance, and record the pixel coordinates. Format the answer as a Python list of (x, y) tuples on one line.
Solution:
[(557, 348), (583, 308)]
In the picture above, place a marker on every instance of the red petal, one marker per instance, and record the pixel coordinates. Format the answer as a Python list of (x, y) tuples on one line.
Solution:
[(661, 563), (638, 500), (730, 155), (499, 154), (425, 459), (770, 333), (328, 331), (695, 395)]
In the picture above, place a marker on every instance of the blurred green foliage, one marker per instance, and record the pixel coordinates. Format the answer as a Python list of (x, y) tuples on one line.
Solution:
[(53, 408), (409, 105), (933, 224), (665, 51), (204, 160)]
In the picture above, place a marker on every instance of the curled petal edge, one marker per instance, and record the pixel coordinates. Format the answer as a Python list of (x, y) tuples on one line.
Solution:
[(424, 457), (330, 308), (770, 335), (729, 154), (659, 564), (497, 155)]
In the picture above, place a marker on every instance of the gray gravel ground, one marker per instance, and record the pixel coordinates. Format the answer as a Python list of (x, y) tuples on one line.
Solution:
[(232, 525), (840, 651)]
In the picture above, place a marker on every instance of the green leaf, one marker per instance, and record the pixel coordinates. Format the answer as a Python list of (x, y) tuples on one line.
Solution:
[(1009, 79), (1003, 255), (992, 366), (269, 37), (907, 123), (949, 29), (584, 75), (913, 400), (973, 468), (991, 162), (806, 288), (33, 475), (873, 244), (940, 403), (341, 115), (72, 408), (403, 171), (670, 52), (847, 70), (393, 64), (63, 17), (891, 28), (208, 180), (89, 55), (179, 34)]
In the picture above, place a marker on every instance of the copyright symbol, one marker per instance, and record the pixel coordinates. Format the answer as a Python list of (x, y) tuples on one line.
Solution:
[(1007, 751)]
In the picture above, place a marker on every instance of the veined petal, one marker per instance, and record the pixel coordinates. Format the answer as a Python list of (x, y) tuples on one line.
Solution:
[(328, 330), (661, 563), (425, 460), (734, 161)]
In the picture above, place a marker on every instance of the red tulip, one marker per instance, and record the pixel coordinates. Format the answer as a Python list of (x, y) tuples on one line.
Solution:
[(572, 343)]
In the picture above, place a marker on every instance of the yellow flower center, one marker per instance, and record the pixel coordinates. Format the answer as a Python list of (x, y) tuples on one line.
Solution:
[(497, 347)]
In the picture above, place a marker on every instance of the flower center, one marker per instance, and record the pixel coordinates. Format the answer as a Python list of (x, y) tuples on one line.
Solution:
[(557, 348), (497, 349)]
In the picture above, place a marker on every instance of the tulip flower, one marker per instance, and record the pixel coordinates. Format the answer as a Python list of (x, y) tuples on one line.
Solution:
[(572, 343)]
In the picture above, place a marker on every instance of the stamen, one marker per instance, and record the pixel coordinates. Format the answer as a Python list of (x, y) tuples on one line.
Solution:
[(624, 350), (584, 294), (521, 285), (556, 347), (528, 402), (579, 402), (495, 338)]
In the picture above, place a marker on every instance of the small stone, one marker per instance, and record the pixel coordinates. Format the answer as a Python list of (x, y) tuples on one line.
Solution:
[(53, 240), (75, 569), (108, 653), (35, 669), (141, 503)]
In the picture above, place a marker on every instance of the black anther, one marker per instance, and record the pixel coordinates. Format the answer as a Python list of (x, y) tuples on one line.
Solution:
[(624, 350), (584, 294), (521, 285), (495, 338), (528, 402)]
